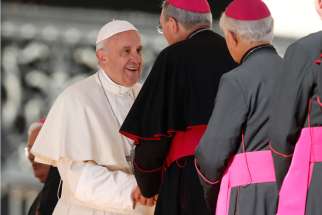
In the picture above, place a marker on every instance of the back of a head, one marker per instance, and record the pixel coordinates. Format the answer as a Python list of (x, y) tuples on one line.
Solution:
[(250, 19), (191, 14), (33, 131)]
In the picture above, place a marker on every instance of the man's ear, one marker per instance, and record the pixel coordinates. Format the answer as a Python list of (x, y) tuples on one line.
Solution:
[(101, 56), (233, 38), (174, 25)]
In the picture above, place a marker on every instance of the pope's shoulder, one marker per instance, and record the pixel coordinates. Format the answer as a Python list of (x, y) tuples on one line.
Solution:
[(87, 88), (79, 90), (82, 86)]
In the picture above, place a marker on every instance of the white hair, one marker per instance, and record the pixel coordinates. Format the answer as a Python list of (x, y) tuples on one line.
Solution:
[(253, 31), (188, 19)]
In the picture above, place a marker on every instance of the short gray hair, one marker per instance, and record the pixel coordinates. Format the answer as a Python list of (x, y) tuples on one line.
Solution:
[(188, 19), (254, 31)]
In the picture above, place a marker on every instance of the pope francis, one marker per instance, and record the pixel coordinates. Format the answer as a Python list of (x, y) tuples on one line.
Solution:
[(80, 135)]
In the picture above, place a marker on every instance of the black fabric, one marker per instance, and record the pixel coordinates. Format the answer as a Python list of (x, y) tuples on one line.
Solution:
[(314, 197), (295, 86), (254, 199), (34, 206), (181, 192), (283, 164), (47, 199), (180, 90), (50, 192), (150, 155), (210, 194)]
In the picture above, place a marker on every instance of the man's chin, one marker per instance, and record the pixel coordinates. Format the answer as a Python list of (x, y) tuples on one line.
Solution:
[(132, 78)]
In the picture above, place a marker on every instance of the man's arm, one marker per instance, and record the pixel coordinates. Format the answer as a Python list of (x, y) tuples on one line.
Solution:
[(222, 137), (97, 186), (148, 164)]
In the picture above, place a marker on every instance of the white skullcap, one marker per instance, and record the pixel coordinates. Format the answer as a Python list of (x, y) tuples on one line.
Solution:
[(112, 28)]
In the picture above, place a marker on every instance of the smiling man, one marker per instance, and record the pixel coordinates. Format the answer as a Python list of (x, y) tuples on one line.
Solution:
[(80, 135)]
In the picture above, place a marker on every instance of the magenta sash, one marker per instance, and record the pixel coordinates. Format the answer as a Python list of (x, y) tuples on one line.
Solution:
[(308, 150), (244, 169)]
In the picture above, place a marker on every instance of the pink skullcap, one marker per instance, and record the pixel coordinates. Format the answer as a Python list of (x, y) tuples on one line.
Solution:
[(196, 6), (248, 10)]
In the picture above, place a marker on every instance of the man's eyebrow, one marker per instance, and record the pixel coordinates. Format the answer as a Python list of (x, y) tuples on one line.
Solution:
[(126, 47)]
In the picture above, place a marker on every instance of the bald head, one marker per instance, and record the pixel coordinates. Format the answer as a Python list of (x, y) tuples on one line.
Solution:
[(40, 170)]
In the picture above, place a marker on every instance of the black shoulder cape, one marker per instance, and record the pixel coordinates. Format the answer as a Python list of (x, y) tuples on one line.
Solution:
[(180, 89)]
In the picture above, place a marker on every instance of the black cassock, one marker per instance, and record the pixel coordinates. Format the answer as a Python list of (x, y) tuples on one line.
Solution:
[(177, 98), (47, 199)]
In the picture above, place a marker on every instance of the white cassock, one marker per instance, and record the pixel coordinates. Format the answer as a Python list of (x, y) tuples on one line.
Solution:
[(81, 137)]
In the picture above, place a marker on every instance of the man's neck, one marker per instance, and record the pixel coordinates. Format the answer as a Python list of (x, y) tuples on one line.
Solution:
[(246, 46), (185, 33)]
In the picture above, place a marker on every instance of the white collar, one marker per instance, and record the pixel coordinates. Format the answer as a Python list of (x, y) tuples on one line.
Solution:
[(111, 85)]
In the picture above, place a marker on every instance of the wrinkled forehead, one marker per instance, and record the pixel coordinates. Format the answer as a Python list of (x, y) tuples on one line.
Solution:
[(127, 38)]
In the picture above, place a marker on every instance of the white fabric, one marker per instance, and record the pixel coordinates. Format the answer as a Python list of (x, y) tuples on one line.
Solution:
[(80, 136), (87, 185), (112, 28), (81, 126), (120, 104)]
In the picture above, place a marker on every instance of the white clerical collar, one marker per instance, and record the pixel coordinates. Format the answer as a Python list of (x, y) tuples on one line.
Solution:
[(111, 85)]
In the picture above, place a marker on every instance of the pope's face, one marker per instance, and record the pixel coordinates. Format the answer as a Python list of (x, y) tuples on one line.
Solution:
[(123, 58)]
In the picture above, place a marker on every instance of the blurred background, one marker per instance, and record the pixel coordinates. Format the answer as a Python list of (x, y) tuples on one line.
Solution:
[(48, 44)]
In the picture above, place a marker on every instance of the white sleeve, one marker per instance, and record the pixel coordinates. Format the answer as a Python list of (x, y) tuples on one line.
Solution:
[(97, 185)]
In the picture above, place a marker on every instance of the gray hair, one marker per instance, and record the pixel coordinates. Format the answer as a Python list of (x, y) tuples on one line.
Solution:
[(253, 31), (188, 19)]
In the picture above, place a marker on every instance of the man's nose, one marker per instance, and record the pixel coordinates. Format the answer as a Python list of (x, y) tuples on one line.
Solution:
[(137, 58)]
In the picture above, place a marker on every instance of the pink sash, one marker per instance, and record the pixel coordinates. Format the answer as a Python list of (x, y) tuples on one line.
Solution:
[(244, 169), (308, 150)]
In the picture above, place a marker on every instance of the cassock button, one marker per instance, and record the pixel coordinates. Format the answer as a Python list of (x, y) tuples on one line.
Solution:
[(318, 61)]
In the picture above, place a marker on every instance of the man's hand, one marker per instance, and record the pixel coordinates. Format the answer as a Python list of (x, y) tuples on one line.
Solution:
[(139, 198)]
